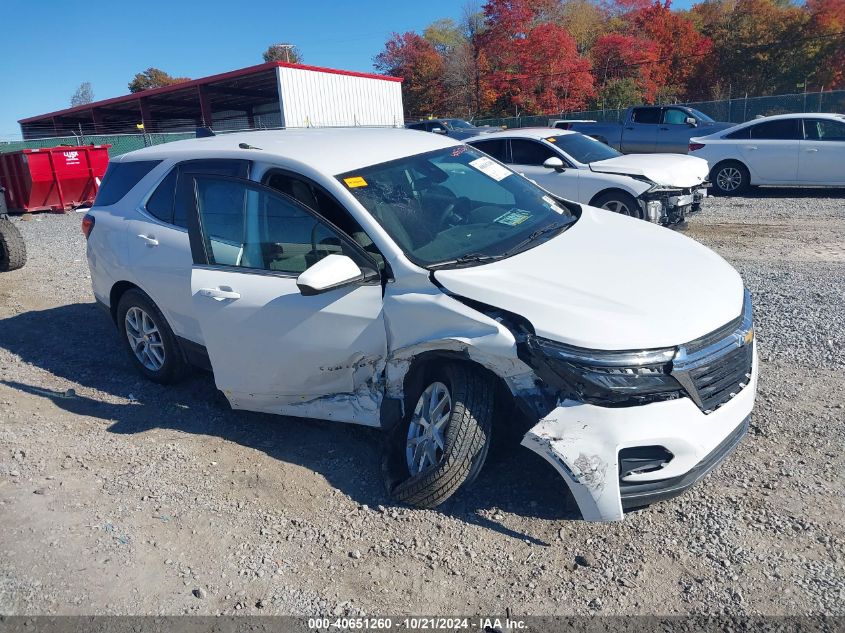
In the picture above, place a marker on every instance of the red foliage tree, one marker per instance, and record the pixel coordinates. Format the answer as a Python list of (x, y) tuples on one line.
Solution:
[(618, 56), (827, 25), (412, 57)]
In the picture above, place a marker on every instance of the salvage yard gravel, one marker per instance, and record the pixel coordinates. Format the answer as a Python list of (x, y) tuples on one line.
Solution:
[(120, 496)]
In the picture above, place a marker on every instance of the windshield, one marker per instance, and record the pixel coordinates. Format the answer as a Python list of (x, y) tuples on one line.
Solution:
[(583, 149), (456, 202), (701, 116), (458, 124)]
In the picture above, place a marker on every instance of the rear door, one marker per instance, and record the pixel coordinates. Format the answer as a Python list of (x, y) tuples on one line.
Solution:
[(821, 158), (771, 151), (639, 134), (271, 348), (527, 158), (674, 133)]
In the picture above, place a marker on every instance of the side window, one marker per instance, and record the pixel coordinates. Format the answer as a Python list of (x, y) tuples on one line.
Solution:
[(740, 134), (247, 226), (674, 116), (527, 152), (780, 130), (120, 178), (183, 202), (646, 115), (417, 126), (497, 148), (824, 130), (160, 203)]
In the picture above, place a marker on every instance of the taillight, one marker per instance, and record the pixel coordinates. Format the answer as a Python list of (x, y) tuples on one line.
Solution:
[(695, 146), (87, 225)]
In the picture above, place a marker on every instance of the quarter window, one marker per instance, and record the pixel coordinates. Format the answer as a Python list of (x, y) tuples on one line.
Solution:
[(740, 134), (120, 178), (779, 130), (525, 152), (160, 204), (248, 226)]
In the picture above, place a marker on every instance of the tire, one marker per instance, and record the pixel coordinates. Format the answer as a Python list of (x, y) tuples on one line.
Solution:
[(466, 438), (618, 202), (730, 178), (12, 247), (157, 356)]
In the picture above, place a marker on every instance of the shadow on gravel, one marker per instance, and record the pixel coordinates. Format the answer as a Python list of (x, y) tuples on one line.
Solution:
[(793, 192), (79, 343)]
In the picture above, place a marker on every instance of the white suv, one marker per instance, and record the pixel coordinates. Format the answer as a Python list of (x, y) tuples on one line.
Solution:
[(409, 282)]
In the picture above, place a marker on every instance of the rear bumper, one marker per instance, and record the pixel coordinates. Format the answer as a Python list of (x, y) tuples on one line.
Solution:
[(583, 443)]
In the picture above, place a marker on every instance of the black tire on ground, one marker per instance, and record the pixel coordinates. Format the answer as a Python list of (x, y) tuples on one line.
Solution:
[(619, 202), (173, 368), (12, 247), (730, 178), (466, 443)]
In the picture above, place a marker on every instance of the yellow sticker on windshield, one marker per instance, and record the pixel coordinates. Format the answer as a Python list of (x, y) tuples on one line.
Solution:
[(552, 139), (355, 181)]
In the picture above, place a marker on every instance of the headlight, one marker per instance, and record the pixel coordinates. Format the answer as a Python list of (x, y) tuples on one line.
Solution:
[(607, 377)]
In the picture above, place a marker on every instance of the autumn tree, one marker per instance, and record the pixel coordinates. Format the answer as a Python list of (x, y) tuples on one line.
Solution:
[(282, 53), (619, 57), (415, 59), (153, 78), (827, 28), (84, 94)]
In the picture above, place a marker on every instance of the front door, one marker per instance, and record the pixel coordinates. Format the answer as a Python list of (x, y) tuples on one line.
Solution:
[(674, 133), (527, 158), (273, 349), (821, 159)]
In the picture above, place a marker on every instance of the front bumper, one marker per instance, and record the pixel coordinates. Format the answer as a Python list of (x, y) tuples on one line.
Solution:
[(583, 443), (668, 207)]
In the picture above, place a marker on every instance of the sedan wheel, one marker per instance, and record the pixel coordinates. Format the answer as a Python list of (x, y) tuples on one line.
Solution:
[(730, 178), (617, 206)]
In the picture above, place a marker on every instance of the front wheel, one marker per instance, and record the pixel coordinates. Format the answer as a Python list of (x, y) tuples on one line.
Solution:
[(730, 178), (444, 440), (619, 202)]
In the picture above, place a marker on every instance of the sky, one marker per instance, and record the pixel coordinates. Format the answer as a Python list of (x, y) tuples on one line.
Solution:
[(49, 47)]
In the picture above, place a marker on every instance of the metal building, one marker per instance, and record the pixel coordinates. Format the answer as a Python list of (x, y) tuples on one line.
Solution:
[(270, 95)]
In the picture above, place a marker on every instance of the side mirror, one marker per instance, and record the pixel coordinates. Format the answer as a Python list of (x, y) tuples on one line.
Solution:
[(438, 130), (333, 271), (553, 162), (691, 121)]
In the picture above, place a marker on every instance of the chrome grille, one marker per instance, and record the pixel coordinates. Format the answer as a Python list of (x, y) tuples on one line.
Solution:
[(716, 367)]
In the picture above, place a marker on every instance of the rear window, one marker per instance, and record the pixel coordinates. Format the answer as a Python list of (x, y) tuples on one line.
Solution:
[(646, 115), (779, 130), (740, 134), (497, 148), (120, 178)]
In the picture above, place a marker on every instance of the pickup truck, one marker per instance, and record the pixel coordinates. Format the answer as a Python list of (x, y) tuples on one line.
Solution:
[(650, 129)]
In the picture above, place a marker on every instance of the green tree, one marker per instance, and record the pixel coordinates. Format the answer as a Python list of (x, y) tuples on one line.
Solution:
[(619, 93), (153, 78)]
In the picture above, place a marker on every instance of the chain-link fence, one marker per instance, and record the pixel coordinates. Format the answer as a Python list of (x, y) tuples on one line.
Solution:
[(120, 143), (733, 110)]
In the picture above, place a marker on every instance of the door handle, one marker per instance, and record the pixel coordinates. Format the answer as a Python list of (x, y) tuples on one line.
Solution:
[(219, 293), (811, 149), (149, 239), (750, 147)]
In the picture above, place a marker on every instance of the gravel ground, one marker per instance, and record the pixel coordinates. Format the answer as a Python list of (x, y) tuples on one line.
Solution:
[(119, 496)]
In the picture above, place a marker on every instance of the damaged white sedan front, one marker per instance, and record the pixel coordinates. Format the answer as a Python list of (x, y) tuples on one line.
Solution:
[(409, 282)]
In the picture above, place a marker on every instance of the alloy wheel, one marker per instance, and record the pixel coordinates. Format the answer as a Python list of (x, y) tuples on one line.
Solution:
[(729, 179), (427, 431), (617, 206), (144, 338)]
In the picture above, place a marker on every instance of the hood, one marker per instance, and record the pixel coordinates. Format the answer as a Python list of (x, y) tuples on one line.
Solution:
[(610, 282), (465, 133), (672, 170)]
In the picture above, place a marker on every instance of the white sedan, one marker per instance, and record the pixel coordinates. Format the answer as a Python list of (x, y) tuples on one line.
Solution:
[(796, 150), (661, 188)]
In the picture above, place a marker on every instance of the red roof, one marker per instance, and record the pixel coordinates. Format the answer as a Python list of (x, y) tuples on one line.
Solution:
[(206, 80)]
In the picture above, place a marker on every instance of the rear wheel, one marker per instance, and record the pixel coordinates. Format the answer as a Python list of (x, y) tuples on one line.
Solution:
[(12, 247), (148, 338), (444, 441), (730, 178), (619, 202)]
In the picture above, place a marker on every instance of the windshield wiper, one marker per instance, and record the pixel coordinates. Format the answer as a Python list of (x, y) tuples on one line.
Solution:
[(469, 258), (536, 235)]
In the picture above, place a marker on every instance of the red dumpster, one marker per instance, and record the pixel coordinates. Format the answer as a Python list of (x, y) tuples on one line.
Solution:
[(52, 178)]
